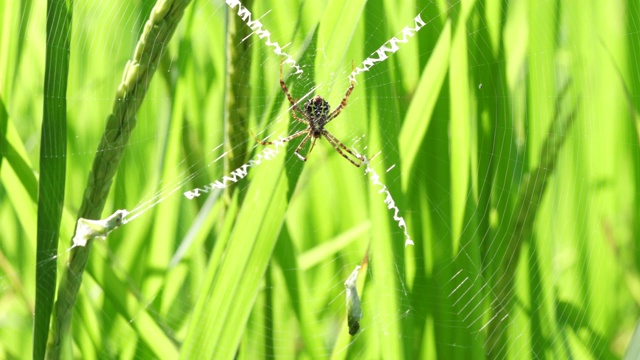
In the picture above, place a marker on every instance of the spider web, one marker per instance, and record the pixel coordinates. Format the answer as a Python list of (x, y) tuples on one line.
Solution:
[(482, 153)]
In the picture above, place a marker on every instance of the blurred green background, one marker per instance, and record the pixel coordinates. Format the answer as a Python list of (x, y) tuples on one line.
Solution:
[(509, 138)]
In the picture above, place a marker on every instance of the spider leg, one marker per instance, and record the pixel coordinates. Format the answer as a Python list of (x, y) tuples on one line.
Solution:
[(313, 142), (294, 105), (339, 146), (288, 138), (302, 120), (343, 103)]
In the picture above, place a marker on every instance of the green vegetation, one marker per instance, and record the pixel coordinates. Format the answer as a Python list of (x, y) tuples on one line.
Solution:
[(509, 138)]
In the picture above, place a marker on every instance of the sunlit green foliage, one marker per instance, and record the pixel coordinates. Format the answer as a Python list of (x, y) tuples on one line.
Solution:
[(509, 134)]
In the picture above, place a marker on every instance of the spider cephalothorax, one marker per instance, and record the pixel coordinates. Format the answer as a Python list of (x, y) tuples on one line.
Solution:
[(316, 115)]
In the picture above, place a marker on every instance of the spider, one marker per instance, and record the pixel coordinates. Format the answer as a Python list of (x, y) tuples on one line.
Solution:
[(316, 115)]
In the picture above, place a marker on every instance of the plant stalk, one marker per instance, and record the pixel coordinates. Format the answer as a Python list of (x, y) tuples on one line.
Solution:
[(158, 30)]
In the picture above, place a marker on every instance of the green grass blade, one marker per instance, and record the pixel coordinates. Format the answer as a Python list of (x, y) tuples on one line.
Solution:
[(297, 289), (238, 95), (12, 150), (4, 125), (541, 88), (53, 151), (420, 112), (460, 122), (232, 283)]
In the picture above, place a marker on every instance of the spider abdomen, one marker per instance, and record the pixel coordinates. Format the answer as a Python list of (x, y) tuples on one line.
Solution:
[(317, 111)]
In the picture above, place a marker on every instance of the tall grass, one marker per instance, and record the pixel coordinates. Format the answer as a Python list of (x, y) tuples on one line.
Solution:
[(509, 140), (53, 152)]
